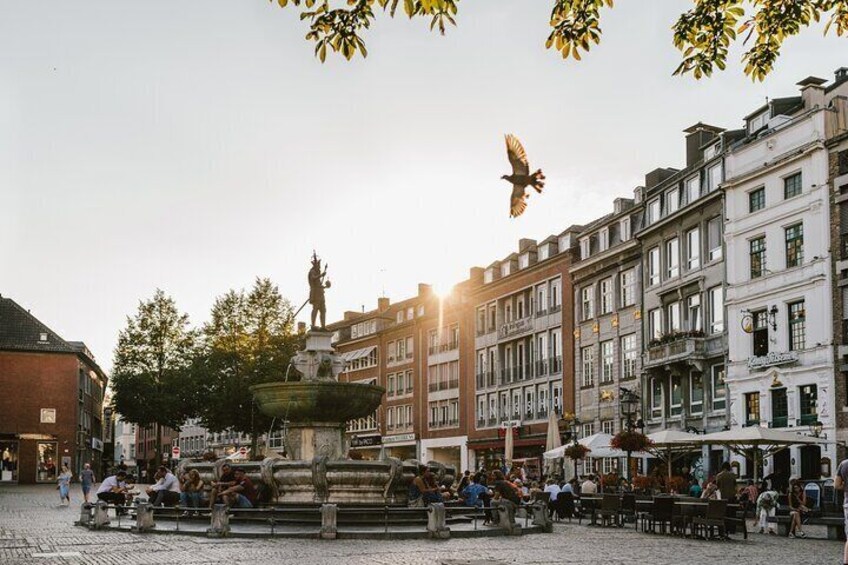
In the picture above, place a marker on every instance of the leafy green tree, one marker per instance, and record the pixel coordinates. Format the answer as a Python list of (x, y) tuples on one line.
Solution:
[(703, 34), (248, 340), (150, 367)]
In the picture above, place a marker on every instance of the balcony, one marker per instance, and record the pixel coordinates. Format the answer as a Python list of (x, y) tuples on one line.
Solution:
[(540, 313), (556, 364), (516, 327), (779, 422), (443, 385), (684, 347), (541, 367), (807, 420)]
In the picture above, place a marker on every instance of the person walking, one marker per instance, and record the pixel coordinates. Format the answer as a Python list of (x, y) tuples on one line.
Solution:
[(64, 485), (87, 479)]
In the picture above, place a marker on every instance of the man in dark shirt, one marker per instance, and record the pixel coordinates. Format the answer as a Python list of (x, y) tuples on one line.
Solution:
[(726, 481), (242, 494), (226, 481)]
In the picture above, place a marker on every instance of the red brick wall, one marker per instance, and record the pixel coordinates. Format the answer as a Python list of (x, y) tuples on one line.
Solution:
[(28, 383)]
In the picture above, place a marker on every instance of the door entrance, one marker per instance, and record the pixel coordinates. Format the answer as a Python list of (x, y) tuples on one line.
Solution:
[(810, 462)]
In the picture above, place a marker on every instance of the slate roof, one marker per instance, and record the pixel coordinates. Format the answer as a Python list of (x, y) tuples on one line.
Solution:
[(21, 331)]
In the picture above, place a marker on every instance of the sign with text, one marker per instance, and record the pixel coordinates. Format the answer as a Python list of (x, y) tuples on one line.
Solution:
[(772, 359), (367, 441)]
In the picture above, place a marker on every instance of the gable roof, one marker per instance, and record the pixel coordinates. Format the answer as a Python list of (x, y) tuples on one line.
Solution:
[(21, 331)]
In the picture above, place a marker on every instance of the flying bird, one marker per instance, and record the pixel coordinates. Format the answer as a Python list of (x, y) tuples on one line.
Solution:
[(520, 177)]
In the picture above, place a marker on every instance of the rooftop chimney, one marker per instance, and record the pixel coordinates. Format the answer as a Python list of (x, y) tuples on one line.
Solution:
[(619, 205), (812, 92), (424, 289), (350, 314), (475, 274), (524, 244), (696, 137), (383, 304), (656, 176), (840, 75)]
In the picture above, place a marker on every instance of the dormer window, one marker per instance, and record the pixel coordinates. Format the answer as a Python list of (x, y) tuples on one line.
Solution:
[(505, 268), (584, 248), (712, 151), (488, 276), (757, 122), (653, 210), (603, 240), (564, 242), (624, 229), (399, 317), (672, 201), (42, 337), (524, 261), (544, 252)]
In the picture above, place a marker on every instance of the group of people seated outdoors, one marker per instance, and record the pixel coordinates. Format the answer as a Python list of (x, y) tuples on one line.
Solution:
[(234, 488)]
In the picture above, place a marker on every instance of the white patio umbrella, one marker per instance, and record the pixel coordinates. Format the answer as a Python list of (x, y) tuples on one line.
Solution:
[(553, 441), (667, 442), (508, 442), (598, 444), (767, 441)]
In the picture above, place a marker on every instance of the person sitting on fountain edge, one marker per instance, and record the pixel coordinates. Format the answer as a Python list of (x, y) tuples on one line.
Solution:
[(166, 491), (242, 494), (228, 479)]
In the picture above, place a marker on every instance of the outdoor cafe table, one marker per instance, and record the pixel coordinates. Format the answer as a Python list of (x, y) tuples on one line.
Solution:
[(686, 507)]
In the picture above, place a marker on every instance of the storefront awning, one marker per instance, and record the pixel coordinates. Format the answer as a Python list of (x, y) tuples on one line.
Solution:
[(358, 353)]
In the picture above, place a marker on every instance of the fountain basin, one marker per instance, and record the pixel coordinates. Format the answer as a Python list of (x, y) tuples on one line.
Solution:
[(305, 402)]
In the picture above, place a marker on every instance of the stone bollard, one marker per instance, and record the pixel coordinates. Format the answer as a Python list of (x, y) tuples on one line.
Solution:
[(101, 515), (506, 517), (329, 519), (541, 516), (144, 518), (220, 521), (85, 514), (437, 521)]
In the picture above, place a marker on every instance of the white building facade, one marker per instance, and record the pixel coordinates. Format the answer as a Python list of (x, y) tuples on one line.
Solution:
[(780, 369), (124, 441)]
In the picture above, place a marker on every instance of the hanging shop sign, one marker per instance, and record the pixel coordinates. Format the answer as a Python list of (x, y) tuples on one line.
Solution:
[(772, 359)]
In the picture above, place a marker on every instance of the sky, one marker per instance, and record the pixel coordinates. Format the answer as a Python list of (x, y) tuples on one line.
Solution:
[(195, 145)]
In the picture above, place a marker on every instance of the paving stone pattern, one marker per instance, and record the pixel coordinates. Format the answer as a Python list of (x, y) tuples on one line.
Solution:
[(33, 530)]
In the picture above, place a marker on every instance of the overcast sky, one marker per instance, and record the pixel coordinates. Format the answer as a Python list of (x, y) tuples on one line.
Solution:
[(195, 145)]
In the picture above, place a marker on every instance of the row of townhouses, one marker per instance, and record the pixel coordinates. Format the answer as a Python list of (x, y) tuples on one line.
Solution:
[(695, 294)]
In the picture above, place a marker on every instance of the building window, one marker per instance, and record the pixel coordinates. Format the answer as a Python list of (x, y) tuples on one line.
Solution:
[(655, 323), (696, 393), (556, 294), (607, 427), (505, 268), (628, 288), (673, 317), (672, 258), (714, 234), (693, 189), (756, 199), (47, 462), (390, 389), (585, 248), (588, 429), (653, 211), (797, 326), (603, 239), (716, 296), (588, 299), (794, 245), (587, 355), (624, 228), (629, 356), (759, 332), (672, 201), (714, 179), (607, 360), (693, 312), (653, 266), (693, 249), (541, 299), (779, 408), (656, 398), (792, 186), (488, 276), (757, 252), (676, 397), (752, 409), (524, 261), (808, 397), (606, 296), (719, 393), (543, 252)]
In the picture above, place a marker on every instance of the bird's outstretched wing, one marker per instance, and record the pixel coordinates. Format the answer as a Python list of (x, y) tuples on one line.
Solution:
[(517, 201), (517, 156)]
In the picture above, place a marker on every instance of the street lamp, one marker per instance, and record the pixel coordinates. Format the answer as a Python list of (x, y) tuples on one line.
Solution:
[(569, 426), (628, 403)]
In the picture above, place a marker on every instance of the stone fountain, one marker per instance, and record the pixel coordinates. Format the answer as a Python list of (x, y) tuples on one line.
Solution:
[(316, 408)]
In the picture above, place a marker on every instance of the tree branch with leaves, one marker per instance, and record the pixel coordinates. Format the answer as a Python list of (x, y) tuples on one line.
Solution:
[(703, 34)]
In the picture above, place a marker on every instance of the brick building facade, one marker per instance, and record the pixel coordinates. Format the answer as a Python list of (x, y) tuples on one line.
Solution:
[(51, 401)]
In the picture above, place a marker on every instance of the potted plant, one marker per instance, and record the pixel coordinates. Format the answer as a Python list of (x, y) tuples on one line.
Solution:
[(576, 451), (677, 484), (630, 441), (643, 484)]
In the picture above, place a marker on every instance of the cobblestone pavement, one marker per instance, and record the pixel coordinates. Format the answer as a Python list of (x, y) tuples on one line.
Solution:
[(34, 530)]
